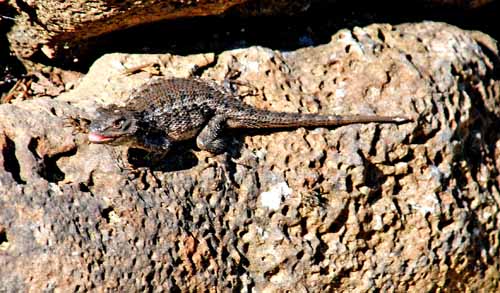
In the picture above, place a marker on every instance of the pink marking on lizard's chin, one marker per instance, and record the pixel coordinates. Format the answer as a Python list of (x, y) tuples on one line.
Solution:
[(97, 138)]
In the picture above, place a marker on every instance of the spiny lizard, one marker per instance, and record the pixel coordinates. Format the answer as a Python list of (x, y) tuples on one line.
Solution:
[(167, 110)]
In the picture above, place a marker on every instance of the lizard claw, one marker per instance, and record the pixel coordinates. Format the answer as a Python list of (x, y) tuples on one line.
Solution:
[(79, 125)]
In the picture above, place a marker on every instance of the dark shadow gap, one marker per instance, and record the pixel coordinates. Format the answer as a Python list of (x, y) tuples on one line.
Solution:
[(11, 164)]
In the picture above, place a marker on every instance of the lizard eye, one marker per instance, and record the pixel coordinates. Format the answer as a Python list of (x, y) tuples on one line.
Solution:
[(118, 123)]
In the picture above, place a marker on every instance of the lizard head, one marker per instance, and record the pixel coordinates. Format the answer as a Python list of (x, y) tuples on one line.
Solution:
[(113, 125)]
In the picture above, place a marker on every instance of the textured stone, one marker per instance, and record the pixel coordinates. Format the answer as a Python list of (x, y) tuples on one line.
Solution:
[(392, 207)]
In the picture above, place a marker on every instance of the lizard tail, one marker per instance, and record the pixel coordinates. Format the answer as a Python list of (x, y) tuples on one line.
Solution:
[(266, 119)]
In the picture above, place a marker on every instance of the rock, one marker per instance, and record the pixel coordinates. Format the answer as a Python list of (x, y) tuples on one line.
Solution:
[(360, 207)]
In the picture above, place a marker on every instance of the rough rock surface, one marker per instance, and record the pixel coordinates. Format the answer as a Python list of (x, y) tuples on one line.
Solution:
[(360, 207)]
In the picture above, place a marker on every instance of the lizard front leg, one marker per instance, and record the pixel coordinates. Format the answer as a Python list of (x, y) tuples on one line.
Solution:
[(155, 143)]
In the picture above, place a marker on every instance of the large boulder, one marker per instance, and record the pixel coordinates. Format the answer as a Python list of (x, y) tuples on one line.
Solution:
[(393, 207)]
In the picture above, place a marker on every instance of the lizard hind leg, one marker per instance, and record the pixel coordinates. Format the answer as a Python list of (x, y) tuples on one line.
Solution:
[(210, 137)]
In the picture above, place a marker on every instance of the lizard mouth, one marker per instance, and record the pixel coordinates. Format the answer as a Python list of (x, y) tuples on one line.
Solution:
[(97, 138)]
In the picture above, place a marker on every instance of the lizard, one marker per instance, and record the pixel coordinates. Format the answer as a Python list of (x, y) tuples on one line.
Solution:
[(164, 111)]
